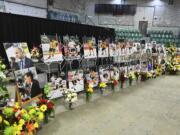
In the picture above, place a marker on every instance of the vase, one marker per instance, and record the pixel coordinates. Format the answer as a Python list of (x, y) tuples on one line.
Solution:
[(46, 117), (70, 106), (101, 90), (130, 82), (112, 86), (122, 84)]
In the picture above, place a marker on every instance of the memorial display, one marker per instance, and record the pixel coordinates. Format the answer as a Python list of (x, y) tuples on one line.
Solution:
[(118, 63)]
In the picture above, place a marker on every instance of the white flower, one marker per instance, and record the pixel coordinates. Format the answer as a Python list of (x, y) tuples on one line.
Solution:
[(74, 94), (74, 99), (3, 66), (2, 75)]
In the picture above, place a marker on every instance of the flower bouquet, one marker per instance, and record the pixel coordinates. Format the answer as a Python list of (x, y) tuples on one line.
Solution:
[(172, 63), (143, 76), (35, 54), (89, 92), (47, 107), (102, 85), (136, 73), (158, 70), (18, 121), (131, 77), (70, 97), (114, 82), (171, 50)]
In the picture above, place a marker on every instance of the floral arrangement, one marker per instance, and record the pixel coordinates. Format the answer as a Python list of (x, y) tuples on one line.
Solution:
[(46, 106), (102, 85), (136, 73), (131, 76), (172, 64), (171, 50), (35, 54), (158, 70), (114, 81), (47, 89), (70, 96), (143, 76), (4, 96), (18, 121), (149, 74), (89, 91)]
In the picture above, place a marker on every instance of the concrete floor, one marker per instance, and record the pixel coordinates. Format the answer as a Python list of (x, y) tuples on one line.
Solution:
[(150, 108)]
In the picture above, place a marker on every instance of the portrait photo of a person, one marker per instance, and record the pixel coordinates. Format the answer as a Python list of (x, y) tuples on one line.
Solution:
[(32, 85), (18, 55), (24, 62)]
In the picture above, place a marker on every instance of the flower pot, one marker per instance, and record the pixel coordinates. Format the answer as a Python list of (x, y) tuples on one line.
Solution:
[(70, 106), (101, 90), (130, 82), (46, 117)]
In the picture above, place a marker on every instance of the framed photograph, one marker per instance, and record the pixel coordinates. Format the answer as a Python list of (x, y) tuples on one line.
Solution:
[(52, 48), (28, 85), (58, 84), (104, 74), (72, 47), (92, 77), (103, 50), (89, 47), (113, 50), (18, 55), (114, 72), (76, 80)]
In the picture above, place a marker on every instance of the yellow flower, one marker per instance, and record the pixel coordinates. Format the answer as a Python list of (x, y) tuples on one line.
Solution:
[(36, 125), (32, 111), (90, 89), (43, 108), (149, 74), (1, 119), (17, 105), (40, 116), (23, 111), (21, 122), (102, 85)]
